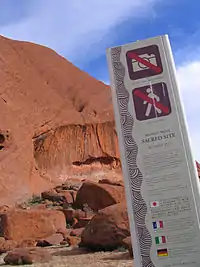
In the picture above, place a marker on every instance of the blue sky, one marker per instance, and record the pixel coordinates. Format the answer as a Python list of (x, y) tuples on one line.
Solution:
[(82, 30)]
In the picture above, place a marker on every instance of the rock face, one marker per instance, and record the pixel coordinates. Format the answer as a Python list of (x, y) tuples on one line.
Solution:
[(107, 229), (56, 122)]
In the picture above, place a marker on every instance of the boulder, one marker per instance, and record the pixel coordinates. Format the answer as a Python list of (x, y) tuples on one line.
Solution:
[(98, 196), (35, 224), (22, 256), (107, 229)]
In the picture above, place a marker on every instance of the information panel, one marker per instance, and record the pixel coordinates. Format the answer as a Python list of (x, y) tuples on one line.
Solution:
[(161, 182)]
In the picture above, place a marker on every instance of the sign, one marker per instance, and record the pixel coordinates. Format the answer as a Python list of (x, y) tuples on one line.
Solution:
[(144, 62), (160, 176), (151, 101)]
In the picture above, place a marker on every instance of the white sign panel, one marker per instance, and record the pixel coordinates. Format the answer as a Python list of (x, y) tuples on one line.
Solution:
[(160, 175)]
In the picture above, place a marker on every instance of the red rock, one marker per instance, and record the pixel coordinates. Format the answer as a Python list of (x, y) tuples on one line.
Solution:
[(52, 195), (70, 184), (21, 225), (98, 196), (71, 214), (110, 182), (4, 208), (77, 232), (54, 239), (82, 222), (127, 243), (27, 243), (64, 124), (21, 256), (73, 241), (64, 243), (6, 245), (69, 196), (65, 233), (39, 206), (107, 229)]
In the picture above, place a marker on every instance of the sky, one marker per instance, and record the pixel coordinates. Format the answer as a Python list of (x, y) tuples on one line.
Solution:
[(82, 30)]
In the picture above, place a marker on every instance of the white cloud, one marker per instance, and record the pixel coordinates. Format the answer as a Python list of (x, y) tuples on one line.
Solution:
[(71, 27), (189, 82)]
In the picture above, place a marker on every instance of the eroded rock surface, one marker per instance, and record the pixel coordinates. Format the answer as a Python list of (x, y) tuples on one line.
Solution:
[(56, 122)]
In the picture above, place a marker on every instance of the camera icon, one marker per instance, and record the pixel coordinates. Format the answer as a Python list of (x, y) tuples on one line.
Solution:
[(137, 66)]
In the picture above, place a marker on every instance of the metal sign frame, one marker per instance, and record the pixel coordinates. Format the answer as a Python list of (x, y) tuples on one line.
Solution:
[(155, 153)]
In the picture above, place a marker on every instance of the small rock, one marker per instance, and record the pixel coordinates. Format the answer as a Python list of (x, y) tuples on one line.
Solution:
[(27, 256), (54, 239), (52, 195), (73, 241), (69, 196), (4, 208), (72, 184), (64, 243), (28, 243), (70, 214), (7, 245), (82, 222), (77, 232)]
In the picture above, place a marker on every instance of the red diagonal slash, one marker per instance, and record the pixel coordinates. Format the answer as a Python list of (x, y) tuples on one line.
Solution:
[(148, 64), (153, 102)]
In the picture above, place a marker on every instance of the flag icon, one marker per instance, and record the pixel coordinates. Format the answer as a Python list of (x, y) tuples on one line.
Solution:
[(154, 204), (160, 240), (162, 252), (157, 225)]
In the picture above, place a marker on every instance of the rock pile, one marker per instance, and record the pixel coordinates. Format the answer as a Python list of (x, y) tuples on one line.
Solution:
[(81, 214)]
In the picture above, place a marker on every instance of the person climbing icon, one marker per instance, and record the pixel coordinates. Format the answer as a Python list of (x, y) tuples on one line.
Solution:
[(154, 97)]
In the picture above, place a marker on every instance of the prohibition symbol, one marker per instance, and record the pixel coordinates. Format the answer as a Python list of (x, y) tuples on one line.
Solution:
[(151, 101), (144, 62)]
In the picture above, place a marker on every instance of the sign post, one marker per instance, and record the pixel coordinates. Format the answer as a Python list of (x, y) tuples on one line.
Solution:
[(160, 176)]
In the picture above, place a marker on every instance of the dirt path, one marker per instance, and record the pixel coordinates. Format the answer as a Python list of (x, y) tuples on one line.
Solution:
[(66, 257)]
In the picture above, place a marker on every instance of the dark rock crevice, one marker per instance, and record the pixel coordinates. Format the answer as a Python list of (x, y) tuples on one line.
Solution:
[(103, 160)]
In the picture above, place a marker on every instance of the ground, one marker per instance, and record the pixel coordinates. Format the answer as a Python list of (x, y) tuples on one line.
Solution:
[(66, 257)]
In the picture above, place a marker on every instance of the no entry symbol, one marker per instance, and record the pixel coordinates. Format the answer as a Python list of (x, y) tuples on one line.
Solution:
[(144, 62), (151, 101)]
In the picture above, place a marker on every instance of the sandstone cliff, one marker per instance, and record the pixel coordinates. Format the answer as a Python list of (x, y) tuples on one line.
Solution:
[(56, 122)]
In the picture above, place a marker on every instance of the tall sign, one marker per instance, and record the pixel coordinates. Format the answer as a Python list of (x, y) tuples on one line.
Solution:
[(159, 171)]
